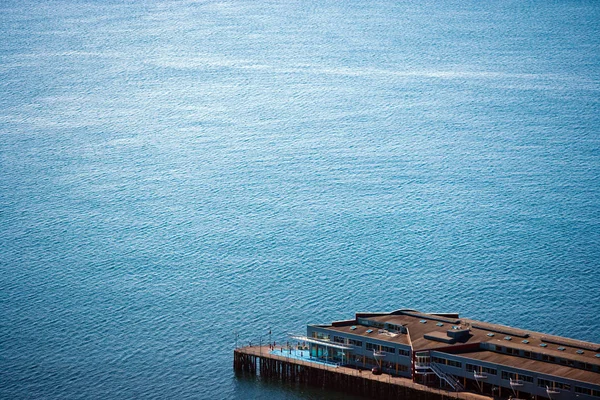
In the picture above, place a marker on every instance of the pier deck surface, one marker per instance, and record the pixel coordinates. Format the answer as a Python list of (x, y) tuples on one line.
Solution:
[(265, 353)]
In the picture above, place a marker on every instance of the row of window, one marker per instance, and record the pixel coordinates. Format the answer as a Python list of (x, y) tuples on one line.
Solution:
[(369, 346), (553, 385), (400, 367), (388, 365), (543, 357), (368, 322), (587, 391), (388, 349), (343, 340), (517, 377), (394, 327), (544, 383), (476, 368), (320, 335), (451, 363)]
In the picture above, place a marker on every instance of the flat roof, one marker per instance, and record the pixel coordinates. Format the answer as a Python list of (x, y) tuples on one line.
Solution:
[(533, 365), (361, 331), (420, 324)]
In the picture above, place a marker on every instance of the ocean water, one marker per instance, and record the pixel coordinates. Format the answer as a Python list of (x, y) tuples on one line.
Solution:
[(175, 172)]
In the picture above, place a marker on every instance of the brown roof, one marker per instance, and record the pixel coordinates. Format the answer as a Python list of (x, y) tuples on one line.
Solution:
[(479, 331), (534, 366), (424, 329)]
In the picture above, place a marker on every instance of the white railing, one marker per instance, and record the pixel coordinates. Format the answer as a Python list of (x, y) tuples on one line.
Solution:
[(452, 381)]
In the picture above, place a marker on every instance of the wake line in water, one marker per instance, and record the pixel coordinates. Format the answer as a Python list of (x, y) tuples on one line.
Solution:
[(562, 81)]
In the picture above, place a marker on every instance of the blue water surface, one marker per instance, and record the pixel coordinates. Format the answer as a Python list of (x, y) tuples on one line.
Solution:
[(174, 173)]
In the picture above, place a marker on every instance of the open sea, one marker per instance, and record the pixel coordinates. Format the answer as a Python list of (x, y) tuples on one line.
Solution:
[(175, 172)]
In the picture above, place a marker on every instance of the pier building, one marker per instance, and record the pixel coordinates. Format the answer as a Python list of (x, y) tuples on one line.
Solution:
[(461, 354)]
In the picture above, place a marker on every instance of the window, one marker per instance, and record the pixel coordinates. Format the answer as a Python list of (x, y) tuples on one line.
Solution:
[(404, 352), (388, 349), (476, 368), (527, 354), (582, 390), (338, 339), (516, 377), (566, 362), (548, 358), (525, 378), (543, 383), (371, 346), (553, 385), (353, 342), (455, 364), (589, 367), (368, 322), (438, 360)]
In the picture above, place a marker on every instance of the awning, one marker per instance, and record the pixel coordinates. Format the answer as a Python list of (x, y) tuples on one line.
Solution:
[(322, 342)]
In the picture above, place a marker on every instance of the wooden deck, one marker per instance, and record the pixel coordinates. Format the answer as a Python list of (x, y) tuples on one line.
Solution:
[(259, 360)]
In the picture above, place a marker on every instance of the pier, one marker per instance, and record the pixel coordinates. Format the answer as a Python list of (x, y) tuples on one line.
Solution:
[(263, 362)]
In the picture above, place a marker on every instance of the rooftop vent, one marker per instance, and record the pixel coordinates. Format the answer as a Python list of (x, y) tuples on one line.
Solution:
[(353, 327), (525, 341), (507, 338), (572, 343), (579, 352), (502, 330), (439, 324), (491, 334), (369, 330), (543, 345), (561, 348), (598, 355), (423, 321)]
